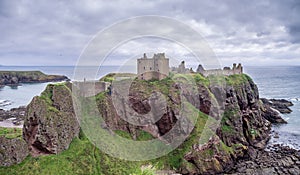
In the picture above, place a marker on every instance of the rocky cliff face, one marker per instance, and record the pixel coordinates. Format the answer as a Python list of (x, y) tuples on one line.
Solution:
[(50, 123), (17, 77), (242, 131)]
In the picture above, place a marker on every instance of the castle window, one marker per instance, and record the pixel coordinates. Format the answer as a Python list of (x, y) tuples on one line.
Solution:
[(150, 68), (144, 68)]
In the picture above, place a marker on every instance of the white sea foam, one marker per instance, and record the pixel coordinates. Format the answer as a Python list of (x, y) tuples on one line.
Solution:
[(294, 99), (5, 103)]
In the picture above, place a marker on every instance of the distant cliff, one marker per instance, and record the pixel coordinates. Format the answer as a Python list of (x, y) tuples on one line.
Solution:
[(50, 125), (17, 77)]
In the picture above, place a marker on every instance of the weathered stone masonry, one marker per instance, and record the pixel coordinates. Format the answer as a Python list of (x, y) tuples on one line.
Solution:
[(156, 67)]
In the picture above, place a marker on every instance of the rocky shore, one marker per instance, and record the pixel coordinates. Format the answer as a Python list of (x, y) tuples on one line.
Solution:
[(16, 115), (274, 107), (16, 77), (280, 105), (278, 160)]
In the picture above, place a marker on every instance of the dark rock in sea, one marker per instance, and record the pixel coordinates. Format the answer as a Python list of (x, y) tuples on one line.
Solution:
[(271, 115), (270, 112), (281, 105), (17, 77), (50, 123), (12, 151)]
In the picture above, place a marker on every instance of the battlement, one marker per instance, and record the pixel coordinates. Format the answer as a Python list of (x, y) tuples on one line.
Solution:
[(225, 71)]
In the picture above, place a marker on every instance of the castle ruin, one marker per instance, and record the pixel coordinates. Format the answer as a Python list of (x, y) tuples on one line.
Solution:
[(225, 71), (156, 67), (181, 69)]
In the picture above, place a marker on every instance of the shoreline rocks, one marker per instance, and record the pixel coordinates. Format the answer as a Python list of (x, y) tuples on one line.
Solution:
[(280, 105), (272, 108), (17, 115), (279, 160)]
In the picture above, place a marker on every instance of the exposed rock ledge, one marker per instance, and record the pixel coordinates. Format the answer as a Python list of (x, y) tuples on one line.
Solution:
[(280, 105), (12, 151), (279, 160), (17, 77)]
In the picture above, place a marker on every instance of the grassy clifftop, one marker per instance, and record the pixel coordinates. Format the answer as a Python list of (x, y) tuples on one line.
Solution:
[(11, 133)]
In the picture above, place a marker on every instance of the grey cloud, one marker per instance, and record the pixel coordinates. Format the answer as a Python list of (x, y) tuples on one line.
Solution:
[(34, 30)]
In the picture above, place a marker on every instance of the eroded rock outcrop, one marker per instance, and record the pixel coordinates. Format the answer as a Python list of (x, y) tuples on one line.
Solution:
[(243, 127), (281, 105), (50, 123), (12, 151)]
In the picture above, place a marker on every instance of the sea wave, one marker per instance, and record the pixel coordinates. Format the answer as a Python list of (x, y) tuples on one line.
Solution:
[(294, 99), (5, 103)]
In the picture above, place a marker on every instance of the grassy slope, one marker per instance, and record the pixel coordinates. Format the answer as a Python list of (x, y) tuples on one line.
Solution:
[(11, 133), (84, 158)]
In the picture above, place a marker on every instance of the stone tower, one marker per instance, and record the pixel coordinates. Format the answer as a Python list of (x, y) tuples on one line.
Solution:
[(156, 67)]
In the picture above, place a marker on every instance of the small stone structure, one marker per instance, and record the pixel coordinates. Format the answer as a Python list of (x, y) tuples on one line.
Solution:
[(225, 71), (181, 69), (156, 67), (91, 88)]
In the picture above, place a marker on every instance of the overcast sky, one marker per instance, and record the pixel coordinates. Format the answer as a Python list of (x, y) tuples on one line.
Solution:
[(55, 32)]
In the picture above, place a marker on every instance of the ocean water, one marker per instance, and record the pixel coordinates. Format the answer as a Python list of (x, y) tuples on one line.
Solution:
[(282, 83), (273, 82), (15, 96)]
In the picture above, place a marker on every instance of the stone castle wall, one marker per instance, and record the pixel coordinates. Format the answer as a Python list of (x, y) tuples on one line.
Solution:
[(225, 71), (91, 88), (181, 69), (156, 67)]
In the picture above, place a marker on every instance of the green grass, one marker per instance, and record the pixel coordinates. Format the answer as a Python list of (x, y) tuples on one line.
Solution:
[(141, 135), (47, 94), (123, 134), (228, 115), (11, 133), (201, 79), (237, 79), (82, 157), (226, 128)]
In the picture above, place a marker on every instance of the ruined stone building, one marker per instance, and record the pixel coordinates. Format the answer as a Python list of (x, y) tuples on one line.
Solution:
[(225, 71), (156, 67), (181, 69), (90, 88)]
